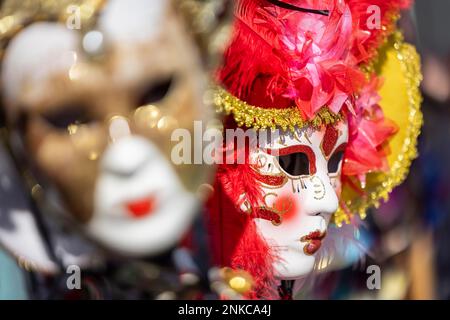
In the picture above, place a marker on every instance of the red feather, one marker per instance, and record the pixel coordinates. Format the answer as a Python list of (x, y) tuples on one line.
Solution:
[(234, 239)]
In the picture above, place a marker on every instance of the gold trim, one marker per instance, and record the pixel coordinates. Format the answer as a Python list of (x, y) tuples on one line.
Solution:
[(409, 61), (16, 15), (269, 118), (264, 118)]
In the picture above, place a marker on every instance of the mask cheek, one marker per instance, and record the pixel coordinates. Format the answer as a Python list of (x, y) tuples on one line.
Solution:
[(282, 208), (287, 205), (70, 171)]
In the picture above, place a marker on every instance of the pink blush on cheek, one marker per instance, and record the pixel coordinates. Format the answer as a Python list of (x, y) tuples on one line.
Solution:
[(287, 206)]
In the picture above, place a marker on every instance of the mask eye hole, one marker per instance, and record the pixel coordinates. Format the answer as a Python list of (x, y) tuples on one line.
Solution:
[(156, 91), (295, 164), (63, 117), (335, 162)]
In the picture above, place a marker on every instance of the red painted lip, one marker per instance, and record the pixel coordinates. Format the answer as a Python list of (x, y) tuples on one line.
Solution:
[(141, 208), (313, 242)]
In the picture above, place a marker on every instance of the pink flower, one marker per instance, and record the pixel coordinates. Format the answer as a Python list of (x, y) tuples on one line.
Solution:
[(319, 69), (369, 133)]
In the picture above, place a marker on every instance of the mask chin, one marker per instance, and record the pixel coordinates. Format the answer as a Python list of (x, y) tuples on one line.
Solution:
[(294, 266)]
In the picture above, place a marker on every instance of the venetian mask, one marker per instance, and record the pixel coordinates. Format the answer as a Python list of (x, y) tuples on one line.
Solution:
[(299, 172), (90, 115), (302, 67)]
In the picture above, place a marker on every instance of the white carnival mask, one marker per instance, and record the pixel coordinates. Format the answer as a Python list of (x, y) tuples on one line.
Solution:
[(299, 173)]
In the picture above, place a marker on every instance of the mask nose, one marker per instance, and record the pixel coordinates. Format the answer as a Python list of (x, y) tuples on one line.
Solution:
[(126, 156), (322, 196)]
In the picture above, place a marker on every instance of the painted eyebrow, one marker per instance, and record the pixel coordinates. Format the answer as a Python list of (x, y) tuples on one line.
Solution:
[(290, 150), (341, 147), (295, 8)]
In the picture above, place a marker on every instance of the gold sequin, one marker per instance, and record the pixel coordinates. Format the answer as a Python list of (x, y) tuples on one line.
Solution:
[(250, 116)]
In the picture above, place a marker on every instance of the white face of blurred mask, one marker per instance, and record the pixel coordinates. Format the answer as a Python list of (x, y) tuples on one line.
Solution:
[(140, 203), (302, 187)]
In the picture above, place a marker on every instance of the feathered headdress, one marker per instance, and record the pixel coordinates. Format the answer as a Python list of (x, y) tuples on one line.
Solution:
[(312, 62)]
